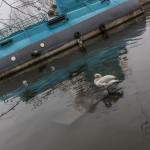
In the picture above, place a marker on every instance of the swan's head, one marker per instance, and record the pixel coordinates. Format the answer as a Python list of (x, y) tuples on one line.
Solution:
[(97, 76)]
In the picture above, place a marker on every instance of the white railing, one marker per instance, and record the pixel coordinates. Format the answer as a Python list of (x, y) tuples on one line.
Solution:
[(22, 25)]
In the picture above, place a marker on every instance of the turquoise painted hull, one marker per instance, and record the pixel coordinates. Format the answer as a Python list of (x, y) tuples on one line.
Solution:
[(84, 20)]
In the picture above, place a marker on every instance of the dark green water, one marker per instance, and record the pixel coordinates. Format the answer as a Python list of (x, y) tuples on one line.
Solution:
[(63, 110)]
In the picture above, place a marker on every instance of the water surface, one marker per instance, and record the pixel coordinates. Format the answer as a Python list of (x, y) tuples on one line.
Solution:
[(62, 109)]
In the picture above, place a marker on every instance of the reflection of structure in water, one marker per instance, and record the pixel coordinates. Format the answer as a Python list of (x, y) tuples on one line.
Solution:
[(27, 95), (145, 128), (124, 60), (106, 62), (75, 82)]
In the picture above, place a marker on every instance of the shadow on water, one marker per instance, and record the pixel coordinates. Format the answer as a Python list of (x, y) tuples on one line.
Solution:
[(74, 73)]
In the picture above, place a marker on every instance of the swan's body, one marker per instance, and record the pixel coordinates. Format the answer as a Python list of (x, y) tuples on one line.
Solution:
[(105, 81)]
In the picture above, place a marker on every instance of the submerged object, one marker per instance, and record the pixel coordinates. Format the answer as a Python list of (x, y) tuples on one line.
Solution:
[(82, 16)]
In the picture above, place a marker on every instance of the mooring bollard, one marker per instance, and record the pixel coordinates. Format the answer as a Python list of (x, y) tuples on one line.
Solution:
[(79, 39), (103, 31)]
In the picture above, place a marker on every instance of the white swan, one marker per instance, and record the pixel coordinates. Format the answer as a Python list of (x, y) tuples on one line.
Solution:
[(104, 81)]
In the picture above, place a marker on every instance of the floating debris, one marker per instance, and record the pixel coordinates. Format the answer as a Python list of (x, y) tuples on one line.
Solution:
[(25, 83), (53, 68)]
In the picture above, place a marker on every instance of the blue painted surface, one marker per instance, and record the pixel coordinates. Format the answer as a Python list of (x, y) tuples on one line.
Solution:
[(65, 6), (42, 31), (91, 63)]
